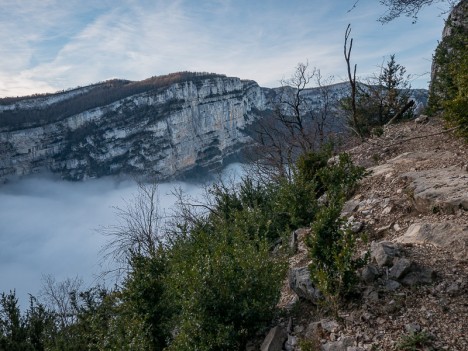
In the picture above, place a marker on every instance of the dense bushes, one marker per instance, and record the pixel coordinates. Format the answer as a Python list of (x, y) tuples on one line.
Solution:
[(226, 284), (449, 86)]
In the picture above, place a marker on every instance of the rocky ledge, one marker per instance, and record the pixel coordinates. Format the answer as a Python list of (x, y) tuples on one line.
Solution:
[(413, 207)]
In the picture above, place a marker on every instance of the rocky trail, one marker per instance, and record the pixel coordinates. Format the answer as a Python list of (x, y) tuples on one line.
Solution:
[(413, 207)]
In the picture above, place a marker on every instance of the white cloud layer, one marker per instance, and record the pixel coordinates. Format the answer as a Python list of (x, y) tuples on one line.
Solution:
[(51, 227), (53, 45)]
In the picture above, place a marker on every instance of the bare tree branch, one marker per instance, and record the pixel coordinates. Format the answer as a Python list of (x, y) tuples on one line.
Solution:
[(138, 228), (408, 8), (58, 297), (352, 80)]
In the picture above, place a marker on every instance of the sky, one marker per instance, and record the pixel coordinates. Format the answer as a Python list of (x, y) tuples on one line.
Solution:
[(51, 45)]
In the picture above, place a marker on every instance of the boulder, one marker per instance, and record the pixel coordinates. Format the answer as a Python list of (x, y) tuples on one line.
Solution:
[(449, 236), (412, 328), (400, 267), (356, 227), (392, 285), (371, 295), (321, 328), (291, 343), (293, 244), (274, 340), (422, 119), (418, 275), (300, 283), (384, 252), (341, 345), (369, 273), (349, 207)]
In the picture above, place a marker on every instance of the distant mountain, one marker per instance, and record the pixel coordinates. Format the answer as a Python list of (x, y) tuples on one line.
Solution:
[(160, 127)]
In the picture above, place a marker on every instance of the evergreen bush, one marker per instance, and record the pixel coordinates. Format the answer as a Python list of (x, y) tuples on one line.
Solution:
[(449, 86), (226, 284), (331, 244)]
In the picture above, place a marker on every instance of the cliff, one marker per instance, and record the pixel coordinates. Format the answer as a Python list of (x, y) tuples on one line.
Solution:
[(160, 128), (160, 132)]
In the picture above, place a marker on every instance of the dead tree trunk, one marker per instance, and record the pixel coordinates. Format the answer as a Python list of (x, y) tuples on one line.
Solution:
[(401, 112)]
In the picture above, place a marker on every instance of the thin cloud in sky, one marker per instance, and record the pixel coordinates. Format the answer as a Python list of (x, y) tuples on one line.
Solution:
[(53, 45)]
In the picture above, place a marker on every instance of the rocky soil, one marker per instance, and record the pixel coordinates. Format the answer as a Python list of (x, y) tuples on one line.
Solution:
[(413, 207)]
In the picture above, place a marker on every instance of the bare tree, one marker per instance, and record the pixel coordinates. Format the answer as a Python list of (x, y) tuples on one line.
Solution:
[(325, 116), (57, 296), (297, 124), (354, 123), (138, 229)]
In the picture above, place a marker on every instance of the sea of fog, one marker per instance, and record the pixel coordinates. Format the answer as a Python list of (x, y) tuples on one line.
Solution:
[(51, 227)]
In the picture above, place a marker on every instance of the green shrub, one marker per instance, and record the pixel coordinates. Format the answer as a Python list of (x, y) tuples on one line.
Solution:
[(249, 206), (449, 87), (226, 285), (340, 179), (295, 202), (331, 244), (456, 109), (266, 210), (415, 342), (332, 251), (145, 304)]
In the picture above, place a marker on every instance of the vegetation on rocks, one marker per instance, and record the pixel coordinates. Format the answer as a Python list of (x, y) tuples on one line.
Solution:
[(449, 88), (332, 245)]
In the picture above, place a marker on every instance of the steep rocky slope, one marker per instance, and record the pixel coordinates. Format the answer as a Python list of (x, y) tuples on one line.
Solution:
[(413, 207)]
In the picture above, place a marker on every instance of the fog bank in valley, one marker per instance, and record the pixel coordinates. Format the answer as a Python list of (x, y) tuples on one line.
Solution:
[(51, 227)]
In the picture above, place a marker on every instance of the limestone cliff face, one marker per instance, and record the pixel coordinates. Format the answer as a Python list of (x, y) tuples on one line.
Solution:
[(157, 128), (159, 133)]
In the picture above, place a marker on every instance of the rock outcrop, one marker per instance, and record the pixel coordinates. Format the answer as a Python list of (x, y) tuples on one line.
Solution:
[(457, 21), (449, 236), (411, 207)]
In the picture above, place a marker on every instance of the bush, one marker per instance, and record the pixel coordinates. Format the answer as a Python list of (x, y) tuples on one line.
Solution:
[(266, 210), (456, 109), (449, 87), (250, 207), (340, 179), (226, 285), (331, 244), (332, 250), (31, 330), (414, 342), (145, 303)]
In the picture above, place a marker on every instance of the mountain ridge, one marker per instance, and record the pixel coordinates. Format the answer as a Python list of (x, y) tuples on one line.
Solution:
[(160, 127)]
